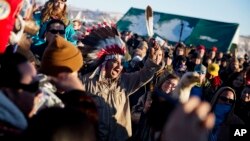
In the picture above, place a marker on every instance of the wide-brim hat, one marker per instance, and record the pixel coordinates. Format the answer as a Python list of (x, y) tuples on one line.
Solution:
[(213, 69)]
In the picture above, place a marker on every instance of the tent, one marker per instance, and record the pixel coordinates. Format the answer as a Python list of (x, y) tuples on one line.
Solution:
[(189, 30)]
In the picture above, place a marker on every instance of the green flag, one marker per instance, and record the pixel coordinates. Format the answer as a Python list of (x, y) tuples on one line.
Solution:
[(177, 28)]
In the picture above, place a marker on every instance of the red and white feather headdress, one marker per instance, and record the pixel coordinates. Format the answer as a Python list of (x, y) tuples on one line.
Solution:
[(102, 44)]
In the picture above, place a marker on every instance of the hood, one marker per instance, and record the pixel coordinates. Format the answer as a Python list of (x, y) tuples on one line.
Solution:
[(216, 96), (9, 113)]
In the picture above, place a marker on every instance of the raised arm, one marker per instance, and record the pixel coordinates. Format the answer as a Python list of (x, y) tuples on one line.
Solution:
[(133, 81)]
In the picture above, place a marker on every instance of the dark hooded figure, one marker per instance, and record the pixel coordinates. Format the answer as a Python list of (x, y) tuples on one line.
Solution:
[(243, 106), (223, 104)]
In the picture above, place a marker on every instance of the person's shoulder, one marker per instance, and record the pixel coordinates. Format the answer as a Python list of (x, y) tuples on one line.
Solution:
[(235, 120), (70, 26)]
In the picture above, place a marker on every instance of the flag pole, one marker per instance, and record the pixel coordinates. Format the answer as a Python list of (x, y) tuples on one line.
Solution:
[(182, 24)]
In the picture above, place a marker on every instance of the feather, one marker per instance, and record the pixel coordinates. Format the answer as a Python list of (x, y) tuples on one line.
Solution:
[(182, 90), (149, 21), (78, 16), (115, 31), (109, 31), (90, 41), (97, 34), (101, 42), (106, 32)]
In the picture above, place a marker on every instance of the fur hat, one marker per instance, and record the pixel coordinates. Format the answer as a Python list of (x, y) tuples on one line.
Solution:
[(61, 56), (213, 69)]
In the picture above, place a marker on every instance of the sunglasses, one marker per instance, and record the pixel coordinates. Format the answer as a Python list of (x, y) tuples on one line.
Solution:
[(227, 100), (62, 32)]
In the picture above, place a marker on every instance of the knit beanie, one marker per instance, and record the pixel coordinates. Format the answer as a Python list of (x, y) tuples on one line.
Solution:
[(200, 69), (214, 48), (61, 56), (201, 47)]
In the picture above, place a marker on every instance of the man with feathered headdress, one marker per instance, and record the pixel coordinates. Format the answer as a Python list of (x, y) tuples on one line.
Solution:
[(109, 86)]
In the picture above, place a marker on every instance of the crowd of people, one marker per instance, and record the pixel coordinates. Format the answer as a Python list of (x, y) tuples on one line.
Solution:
[(59, 82)]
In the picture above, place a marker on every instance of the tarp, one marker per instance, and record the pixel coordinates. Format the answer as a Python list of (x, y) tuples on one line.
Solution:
[(244, 45), (194, 30)]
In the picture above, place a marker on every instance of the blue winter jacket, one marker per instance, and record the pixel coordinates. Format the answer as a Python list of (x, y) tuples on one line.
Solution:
[(39, 38)]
